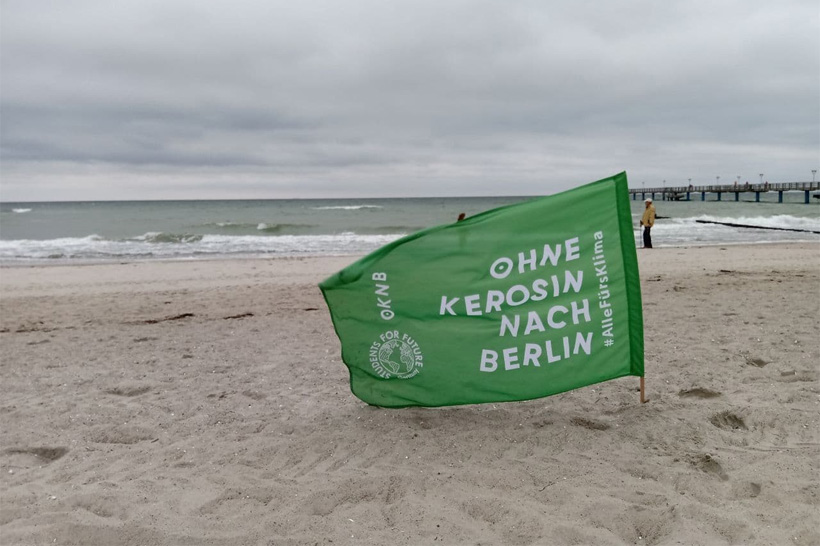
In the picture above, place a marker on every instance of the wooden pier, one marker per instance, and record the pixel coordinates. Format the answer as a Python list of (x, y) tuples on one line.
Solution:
[(684, 193)]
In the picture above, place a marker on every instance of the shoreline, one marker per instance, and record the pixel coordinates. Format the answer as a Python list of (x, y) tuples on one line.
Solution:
[(82, 262), (205, 402)]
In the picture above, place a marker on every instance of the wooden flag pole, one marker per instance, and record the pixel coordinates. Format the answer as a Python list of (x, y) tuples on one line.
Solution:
[(643, 391)]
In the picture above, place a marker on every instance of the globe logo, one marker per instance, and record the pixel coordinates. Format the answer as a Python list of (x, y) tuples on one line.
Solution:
[(396, 355), (388, 353)]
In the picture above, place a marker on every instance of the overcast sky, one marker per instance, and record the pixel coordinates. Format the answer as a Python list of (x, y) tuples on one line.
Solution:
[(198, 99)]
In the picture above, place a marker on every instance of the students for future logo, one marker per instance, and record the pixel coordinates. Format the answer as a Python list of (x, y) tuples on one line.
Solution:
[(396, 355)]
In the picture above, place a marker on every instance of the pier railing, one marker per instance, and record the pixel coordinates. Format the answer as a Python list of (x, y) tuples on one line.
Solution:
[(731, 188), (678, 192)]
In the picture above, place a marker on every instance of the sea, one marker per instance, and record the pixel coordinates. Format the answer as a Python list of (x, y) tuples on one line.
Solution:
[(106, 231)]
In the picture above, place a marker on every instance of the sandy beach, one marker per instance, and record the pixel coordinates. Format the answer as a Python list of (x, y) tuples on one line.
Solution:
[(205, 403)]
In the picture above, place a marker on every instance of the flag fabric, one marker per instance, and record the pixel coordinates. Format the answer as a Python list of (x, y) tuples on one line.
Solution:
[(515, 303)]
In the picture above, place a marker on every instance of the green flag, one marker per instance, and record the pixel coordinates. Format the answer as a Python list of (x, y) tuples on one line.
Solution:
[(519, 302)]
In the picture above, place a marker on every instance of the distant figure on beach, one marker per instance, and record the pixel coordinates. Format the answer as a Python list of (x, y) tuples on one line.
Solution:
[(461, 217), (647, 221)]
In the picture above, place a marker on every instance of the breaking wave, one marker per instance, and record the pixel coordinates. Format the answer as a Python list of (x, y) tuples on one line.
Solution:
[(279, 228), (159, 237), (688, 231), (248, 228), (173, 246), (348, 207)]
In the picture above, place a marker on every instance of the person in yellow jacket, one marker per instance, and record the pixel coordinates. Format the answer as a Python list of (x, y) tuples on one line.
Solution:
[(647, 222)]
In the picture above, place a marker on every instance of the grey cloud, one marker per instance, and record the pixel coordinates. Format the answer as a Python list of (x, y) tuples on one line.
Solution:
[(375, 98)]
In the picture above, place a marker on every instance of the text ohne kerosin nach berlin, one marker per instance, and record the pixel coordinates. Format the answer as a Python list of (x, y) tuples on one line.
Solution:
[(555, 318)]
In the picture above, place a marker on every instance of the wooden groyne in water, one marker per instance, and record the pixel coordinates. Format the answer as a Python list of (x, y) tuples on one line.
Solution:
[(684, 193), (731, 224)]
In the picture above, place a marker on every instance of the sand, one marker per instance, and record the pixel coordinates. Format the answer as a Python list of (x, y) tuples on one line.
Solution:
[(205, 403)]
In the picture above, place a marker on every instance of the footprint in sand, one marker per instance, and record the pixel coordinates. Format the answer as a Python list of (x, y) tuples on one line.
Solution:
[(728, 421), (128, 390), (708, 464), (30, 457), (586, 423), (48, 454), (757, 362), (125, 435), (699, 392), (746, 490)]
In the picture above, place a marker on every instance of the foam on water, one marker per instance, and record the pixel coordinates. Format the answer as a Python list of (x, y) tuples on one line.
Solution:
[(781, 221), (688, 231), (238, 227), (348, 207), (160, 245), (159, 237)]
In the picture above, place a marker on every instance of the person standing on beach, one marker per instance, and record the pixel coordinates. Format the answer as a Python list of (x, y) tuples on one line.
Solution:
[(647, 221)]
